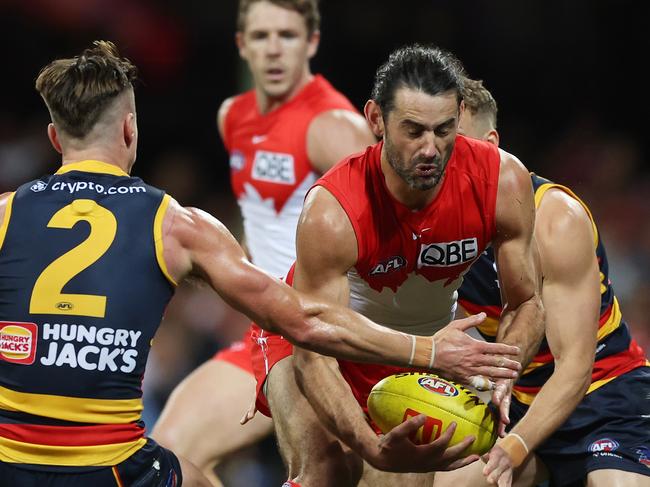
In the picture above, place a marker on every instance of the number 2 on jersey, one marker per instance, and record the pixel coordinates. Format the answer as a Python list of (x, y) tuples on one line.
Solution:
[(47, 296)]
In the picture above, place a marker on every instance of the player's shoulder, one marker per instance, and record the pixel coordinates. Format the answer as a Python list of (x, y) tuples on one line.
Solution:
[(234, 104), (561, 216), (513, 175), (325, 221), (321, 95)]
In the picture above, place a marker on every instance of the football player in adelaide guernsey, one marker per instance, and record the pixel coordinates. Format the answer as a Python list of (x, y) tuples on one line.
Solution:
[(581, 410), (89, 258), (390, 232)]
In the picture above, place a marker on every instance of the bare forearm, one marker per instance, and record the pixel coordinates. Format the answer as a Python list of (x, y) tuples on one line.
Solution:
[(553, 405), (337, 409), (340, 331), (523, 327)]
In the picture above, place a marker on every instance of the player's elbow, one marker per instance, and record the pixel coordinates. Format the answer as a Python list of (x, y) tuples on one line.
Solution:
[(576, 369)]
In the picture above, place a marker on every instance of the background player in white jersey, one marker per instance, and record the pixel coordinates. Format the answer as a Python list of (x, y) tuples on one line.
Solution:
[(299, 126), (575, 296)]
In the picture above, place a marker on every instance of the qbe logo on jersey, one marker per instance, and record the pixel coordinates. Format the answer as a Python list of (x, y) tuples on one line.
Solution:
[(274, 167), (447, 254), (18, 342)]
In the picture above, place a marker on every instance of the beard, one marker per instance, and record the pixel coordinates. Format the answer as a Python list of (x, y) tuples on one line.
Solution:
[(407, 170)]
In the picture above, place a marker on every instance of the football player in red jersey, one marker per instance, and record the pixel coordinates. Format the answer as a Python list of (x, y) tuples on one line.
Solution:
[(390, 232), (598, 437)]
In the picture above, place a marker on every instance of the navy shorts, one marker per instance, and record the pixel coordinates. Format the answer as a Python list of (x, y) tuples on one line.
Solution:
[(151, 466), (610, 429)]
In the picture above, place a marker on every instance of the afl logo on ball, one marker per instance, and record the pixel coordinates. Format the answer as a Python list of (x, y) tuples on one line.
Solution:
[(439, 386), (604, 444), (18, 342)]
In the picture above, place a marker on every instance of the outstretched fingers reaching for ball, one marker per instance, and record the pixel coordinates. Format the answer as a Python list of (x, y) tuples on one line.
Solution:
[(473, 362), (398, 453)]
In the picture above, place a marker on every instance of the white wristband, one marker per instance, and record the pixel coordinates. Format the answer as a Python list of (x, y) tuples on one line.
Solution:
[(433, 353), (412, 350)]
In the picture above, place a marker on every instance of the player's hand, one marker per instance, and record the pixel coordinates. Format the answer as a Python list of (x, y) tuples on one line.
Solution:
[(464, 359), (498, 468), (249, 414), (397, 453), (501, 399)]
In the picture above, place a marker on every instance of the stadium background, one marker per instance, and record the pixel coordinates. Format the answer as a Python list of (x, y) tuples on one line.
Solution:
[(566, 75)]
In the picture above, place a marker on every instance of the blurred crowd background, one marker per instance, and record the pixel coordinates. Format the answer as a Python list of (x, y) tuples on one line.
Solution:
[(566, 75)]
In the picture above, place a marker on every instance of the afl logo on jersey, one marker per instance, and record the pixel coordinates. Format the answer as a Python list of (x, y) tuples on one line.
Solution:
[(237, 161), (439, 386), (64, 305), (447, 254), (386, 266), (38, 186), (274, 167), (18, 342)]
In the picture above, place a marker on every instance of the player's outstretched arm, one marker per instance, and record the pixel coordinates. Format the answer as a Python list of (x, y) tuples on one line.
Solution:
[(197, 244), (571, 294), (515, 250)]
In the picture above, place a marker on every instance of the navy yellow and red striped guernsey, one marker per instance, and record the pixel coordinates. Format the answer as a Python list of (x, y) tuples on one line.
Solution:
[(616, 352), (83, 287)]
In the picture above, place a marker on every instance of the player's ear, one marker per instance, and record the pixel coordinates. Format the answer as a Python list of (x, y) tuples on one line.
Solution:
[(312, 43), (373, 114), (130, 129), (493, 137), (54, 138), (239, 40)]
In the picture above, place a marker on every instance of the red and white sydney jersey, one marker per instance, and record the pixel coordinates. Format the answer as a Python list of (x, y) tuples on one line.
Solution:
[(410, 263), (270, 171)]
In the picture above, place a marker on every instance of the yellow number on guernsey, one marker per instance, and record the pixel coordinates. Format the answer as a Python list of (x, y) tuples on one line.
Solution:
[(47, 297)]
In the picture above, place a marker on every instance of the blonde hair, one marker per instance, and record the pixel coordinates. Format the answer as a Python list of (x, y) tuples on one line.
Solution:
[(479, 101), (78, 90)]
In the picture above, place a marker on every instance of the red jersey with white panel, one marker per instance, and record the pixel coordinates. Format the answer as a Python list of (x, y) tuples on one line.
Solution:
[(411, 263), (270, 170)]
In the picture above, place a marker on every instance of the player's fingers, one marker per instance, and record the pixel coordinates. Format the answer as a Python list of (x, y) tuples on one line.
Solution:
[(467, 323), (443, 440), (499, 349), (505, 480), (462, 462), (404, 429), (497, 468), (504, 409), (495, 372), (456, 451)]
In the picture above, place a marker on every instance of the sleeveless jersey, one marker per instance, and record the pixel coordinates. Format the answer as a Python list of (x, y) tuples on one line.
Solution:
[(270, 171), (83, 288), (410, 263), (616, 352)]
